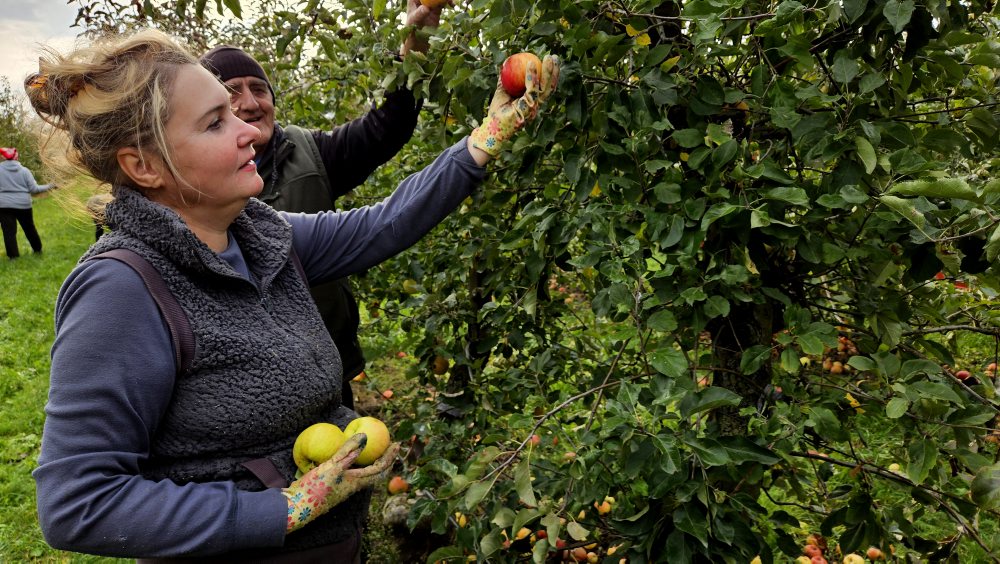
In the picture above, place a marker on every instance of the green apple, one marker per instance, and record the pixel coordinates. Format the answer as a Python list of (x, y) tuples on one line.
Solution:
[(317, 444), (377, 434)]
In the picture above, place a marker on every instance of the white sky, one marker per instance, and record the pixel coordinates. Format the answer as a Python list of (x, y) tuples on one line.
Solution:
[(26, 25)]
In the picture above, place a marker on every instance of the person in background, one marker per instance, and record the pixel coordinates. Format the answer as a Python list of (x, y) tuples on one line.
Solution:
[(17, 184), (95, 208), (141, 459), (308, 170)]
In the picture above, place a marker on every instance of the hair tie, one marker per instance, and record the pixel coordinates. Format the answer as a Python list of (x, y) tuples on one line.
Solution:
[(36, 81)]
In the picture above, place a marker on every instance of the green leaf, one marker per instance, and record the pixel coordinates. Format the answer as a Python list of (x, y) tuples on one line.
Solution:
[(455, 553), (707, 399), (923, 456), (993, 245), (898, 13), (870, 81), (985, 488), (866, 153), (753, 358), (378, 6), (936, 188), (689, 138), (896, 408), (792, 195), (522, 482), (692, 522), (716, 306), (936, 390), (663, 321), (577, 531), (904, 208), (477, 493), (709, 451), (234, 7), (854, 9), (742, 449), (826, 423), (844, 68), (810, 343), (669, 361), (861, 363)]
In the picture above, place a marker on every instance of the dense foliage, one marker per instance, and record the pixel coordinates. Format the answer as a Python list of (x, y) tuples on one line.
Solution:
[(721, 279)]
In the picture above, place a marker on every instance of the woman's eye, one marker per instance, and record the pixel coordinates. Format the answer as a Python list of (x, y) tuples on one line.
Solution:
[(216, 124)]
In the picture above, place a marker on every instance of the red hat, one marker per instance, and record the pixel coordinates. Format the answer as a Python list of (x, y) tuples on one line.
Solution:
[(9, 153)]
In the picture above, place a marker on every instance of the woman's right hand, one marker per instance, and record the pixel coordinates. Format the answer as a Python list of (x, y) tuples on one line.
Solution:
[(334, 481)]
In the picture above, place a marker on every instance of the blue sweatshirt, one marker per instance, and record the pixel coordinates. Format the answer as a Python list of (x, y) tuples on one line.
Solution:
[(17, 184), (113, 373)]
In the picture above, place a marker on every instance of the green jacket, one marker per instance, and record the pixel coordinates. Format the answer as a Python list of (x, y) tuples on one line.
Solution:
[(307, 170)]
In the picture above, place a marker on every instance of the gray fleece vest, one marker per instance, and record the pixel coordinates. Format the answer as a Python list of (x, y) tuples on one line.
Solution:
[(264, 366)]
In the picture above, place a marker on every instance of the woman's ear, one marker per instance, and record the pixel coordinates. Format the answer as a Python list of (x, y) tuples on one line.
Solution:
[(145, 172)]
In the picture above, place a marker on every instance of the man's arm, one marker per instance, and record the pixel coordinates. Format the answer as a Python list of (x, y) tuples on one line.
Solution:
[(351, 152)]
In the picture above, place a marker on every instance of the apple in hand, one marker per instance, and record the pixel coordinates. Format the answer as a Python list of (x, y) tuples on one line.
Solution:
[(317, 444), (377, 434), (513, 70)]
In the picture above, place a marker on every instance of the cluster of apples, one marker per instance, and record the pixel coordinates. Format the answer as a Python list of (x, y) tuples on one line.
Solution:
[(524, 539), (320, 441), (815, 551), (835, 360)]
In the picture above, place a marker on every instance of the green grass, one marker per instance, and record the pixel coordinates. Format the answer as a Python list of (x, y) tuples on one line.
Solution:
[(28, 289)]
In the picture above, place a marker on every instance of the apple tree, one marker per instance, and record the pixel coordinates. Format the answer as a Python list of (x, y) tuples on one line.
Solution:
[(723, 284)]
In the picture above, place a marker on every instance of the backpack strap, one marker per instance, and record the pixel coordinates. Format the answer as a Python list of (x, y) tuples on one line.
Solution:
[(177, 321)]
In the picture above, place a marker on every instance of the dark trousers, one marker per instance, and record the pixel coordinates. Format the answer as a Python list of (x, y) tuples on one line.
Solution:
[(9, 218)]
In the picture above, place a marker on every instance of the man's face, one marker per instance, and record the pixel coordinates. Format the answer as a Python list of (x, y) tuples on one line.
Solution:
[(251, 101)]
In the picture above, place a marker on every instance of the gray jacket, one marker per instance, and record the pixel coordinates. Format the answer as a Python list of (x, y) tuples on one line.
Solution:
[(17, 184)]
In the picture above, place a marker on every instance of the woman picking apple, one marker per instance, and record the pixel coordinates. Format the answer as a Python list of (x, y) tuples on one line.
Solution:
[(149, 457)]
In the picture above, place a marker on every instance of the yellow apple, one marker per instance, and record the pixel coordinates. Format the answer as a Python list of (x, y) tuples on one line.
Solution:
[(377, 434), (316, 444)]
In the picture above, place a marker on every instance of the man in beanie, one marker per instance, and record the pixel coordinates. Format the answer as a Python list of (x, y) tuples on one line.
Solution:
[(307, 170), (17, 184)]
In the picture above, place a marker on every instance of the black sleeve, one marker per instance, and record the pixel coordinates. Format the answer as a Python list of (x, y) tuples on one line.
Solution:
[(352, 151)]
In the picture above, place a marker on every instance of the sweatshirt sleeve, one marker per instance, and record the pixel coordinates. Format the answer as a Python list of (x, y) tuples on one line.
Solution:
[(336, 244), (32, 184), (352, 151), (111, 379)]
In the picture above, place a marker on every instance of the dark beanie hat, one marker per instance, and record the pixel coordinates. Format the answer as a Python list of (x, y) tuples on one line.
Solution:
[(226, 61)]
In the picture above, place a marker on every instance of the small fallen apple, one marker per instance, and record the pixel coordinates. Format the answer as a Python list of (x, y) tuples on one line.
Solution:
[(962, 374), (398, 484), (377, 434), (316, 444), (513, 70)]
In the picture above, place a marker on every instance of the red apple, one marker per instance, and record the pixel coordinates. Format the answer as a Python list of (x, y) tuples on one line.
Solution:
[(513, 70), (962, 374)]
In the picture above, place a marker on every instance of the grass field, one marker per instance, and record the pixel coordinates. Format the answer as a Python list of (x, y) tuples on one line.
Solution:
[(28, 288)]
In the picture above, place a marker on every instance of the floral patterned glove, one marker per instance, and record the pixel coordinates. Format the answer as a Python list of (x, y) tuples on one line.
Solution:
[(508, 115), (333, 481)]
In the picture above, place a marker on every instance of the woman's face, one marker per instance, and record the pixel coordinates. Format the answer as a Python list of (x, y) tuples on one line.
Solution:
[(211, 149)]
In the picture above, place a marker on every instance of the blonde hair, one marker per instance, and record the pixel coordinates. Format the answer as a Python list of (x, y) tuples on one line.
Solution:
[(111, 94)]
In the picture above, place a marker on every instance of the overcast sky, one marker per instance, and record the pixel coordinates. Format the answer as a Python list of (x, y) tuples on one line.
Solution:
[(24, 25)]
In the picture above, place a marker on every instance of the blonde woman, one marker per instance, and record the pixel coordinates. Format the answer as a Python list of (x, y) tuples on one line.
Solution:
[(141, 459)]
